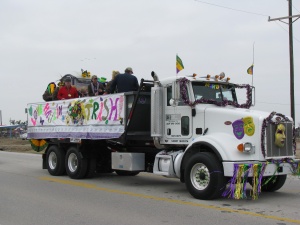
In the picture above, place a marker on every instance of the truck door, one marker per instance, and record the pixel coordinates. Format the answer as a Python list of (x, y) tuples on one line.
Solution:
[(178, 117)]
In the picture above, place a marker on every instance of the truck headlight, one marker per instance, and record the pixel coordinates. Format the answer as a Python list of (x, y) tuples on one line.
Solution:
[(246, 147)]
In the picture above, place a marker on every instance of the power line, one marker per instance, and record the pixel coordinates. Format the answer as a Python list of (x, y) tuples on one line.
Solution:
[(291, 51), (225, 7), (295, 8), (286, 31), (238, 10)]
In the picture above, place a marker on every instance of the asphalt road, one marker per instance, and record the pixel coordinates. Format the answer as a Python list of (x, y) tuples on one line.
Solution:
[(29, 195)]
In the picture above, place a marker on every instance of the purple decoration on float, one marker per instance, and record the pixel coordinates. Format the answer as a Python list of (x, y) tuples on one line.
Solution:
[(232, 183)]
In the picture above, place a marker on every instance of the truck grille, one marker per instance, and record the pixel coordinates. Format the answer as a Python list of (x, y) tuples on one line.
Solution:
[(272, 148)]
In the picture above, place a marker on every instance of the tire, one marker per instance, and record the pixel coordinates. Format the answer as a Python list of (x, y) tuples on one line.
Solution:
[(91, 168), (126, 173), (76, 164), (55, 160), (274, 184), (204, 176)]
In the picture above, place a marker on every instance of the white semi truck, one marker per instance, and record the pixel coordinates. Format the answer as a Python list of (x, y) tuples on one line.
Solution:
[(190, 128)]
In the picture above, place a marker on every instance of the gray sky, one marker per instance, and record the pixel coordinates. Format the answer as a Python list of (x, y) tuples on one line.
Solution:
[(42, 40)]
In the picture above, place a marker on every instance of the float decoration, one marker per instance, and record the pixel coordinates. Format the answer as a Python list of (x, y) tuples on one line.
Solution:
[(295, 166), (85, 73), (102, 79), (184, 96), (38, 145), (269, 120), (76, 112), (51, 87), (237, 184)]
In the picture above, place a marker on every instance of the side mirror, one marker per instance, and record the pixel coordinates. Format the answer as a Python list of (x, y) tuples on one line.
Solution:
[(173, 102)]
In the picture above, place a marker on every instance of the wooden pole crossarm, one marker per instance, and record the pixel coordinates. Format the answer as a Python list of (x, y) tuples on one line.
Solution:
[(286, 17)]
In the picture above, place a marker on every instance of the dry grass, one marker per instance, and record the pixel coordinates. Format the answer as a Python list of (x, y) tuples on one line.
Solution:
[(15, 145)]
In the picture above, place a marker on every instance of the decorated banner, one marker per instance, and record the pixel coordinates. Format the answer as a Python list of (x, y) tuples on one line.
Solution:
[(96, 117)]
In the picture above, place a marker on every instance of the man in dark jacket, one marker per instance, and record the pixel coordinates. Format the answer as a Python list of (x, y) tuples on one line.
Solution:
[(125, 82)]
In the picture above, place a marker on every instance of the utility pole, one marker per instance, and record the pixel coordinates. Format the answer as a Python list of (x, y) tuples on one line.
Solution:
[(290, 23)]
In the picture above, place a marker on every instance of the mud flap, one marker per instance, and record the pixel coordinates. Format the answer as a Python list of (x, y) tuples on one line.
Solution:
[(44, 164)]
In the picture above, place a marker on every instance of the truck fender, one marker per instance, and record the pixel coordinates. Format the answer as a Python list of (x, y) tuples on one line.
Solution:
[(202, 144)]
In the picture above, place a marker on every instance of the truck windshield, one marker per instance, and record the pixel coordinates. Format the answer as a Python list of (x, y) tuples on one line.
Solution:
[(214, 91)]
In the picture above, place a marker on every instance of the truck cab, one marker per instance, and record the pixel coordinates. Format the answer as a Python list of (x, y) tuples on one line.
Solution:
[(204, 118)]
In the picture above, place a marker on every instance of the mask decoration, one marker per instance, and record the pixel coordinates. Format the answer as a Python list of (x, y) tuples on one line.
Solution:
[(280, 135), (249, 126), (238, 129)]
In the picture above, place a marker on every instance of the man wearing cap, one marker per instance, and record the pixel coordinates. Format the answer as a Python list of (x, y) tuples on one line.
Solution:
[(95, 88), (125, 82), (67, 91)]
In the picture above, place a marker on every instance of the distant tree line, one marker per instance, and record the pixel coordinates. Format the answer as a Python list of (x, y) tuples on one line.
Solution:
[(18, 122)]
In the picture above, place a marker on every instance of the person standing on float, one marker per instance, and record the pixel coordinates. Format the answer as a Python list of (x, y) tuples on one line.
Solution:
[(125, 82), (67, 91)]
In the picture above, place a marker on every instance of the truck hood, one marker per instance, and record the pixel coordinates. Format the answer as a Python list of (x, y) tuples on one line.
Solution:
[(229, 126), (238, 122)]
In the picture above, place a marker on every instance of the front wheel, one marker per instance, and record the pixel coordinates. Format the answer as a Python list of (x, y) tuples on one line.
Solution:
[(274, 184), (55, 159), (76, 164), (204, 177)]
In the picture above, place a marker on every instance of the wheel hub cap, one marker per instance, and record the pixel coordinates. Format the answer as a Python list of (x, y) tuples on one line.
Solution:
[(200, 176), (52, 160), (72, 162)]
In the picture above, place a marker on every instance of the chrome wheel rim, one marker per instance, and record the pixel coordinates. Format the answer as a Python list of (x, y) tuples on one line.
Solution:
[(52, 160), (200, 176), (72, 162)]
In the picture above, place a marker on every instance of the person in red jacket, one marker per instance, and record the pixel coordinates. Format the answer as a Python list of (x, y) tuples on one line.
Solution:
[(67, 91)]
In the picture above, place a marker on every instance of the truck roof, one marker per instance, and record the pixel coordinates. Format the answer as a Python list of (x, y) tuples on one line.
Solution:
[(207, 78)]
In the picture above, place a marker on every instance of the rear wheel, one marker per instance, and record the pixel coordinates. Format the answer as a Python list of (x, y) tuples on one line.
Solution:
[(204, 177), (55, 159), (76, 164)]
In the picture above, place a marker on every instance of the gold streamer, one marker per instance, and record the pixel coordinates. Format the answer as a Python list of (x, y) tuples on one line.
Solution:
[(254, 191), (239, 185)]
